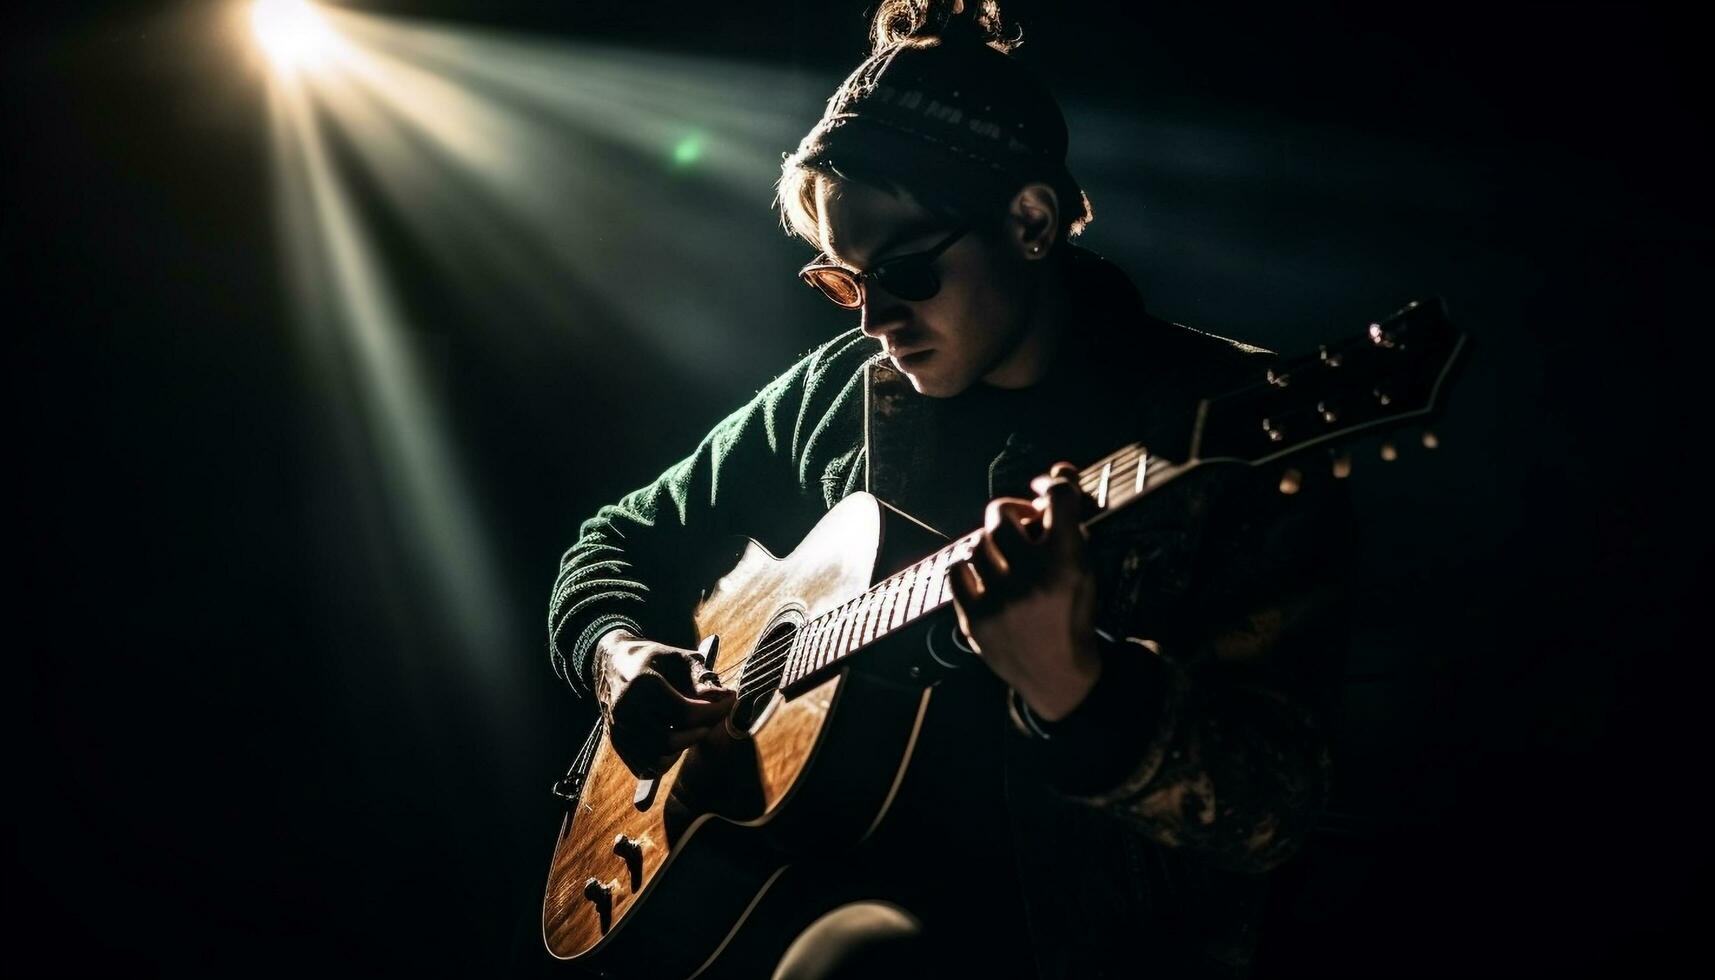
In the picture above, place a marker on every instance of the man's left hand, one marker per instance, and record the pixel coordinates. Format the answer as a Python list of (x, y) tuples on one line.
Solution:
[(1026, 599)]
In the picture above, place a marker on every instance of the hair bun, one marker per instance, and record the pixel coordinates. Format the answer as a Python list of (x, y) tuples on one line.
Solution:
[(927, 21)]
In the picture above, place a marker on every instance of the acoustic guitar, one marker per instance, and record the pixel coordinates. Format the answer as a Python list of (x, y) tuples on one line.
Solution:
[(653, 877)]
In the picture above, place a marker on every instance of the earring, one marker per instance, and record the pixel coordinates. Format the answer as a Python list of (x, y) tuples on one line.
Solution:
[(1034, 249)]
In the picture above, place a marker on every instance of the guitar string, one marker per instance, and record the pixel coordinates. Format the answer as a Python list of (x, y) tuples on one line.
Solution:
[(766, 657), (766, 660), (1089, 480)]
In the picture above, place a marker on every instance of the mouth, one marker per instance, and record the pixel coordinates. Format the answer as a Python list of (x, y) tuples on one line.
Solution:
[(914, 358)]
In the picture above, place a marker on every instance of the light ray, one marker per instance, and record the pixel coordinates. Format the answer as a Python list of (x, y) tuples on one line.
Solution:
[(354, 326), (551, 166)]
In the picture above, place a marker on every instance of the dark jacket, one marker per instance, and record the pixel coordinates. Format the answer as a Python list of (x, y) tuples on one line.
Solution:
[(1140, 822)]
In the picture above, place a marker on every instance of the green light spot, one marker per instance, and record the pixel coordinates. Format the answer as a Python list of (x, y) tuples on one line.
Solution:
[(687, 151)]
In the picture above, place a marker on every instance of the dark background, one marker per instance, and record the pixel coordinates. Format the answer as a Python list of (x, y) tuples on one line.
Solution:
[(246, 742)]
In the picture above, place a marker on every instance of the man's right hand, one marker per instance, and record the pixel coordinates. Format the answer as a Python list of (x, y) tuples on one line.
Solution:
[(658, 700)]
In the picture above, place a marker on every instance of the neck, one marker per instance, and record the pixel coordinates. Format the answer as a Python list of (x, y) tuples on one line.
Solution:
[(1044, 328)]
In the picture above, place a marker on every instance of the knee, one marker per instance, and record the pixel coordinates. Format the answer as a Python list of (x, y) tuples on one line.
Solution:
[(863, 939)]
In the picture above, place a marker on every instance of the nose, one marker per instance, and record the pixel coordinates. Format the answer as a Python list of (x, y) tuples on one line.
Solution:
[(881, 314)]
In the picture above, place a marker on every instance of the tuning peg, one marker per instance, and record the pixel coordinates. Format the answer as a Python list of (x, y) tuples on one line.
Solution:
[(1342, 466), (1330, 358), (1390, 452), (1279, 379), (1326, 410), (1430, 440), (1273, 431), (1383, 397), (1291, 481)]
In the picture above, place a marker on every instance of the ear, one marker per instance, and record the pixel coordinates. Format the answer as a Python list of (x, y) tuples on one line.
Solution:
[(1033, 221)]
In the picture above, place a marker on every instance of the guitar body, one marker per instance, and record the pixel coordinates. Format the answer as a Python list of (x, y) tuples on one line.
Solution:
[(791, 777)]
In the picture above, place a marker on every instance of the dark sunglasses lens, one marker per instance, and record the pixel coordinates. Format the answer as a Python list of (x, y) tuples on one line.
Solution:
[(910, 279), (836, 284)]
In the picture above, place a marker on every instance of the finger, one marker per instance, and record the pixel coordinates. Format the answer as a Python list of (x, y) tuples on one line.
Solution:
[(710, 686), (1060, 520), (1004, 510), (962, 581), (1086, 502), (648, 747), (987, 568), (677, 667), (1061, 471), (967, 587), (651, 704), (681, 739), (1006, 539), (701, 714)]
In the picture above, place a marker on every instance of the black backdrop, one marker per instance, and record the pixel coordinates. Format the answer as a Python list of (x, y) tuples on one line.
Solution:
[(245, 744)]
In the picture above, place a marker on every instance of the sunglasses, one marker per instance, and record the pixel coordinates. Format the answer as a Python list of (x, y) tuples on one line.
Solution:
[(909, 277)]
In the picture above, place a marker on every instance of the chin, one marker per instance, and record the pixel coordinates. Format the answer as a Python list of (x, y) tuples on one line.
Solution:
[(936, 384)]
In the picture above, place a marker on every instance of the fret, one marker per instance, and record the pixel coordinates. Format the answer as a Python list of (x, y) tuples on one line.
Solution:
[(884, 618), (920, 587), (940, 594), (830, 646), (871, 615), (962, 550), (825, 646), (861, 612), (813, 657), (883, 606), (902, 596), (1102, 487), (841, 646), (1142, 471), (794, 653)]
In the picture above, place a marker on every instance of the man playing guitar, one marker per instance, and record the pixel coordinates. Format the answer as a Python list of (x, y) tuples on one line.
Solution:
[(1143, 741)]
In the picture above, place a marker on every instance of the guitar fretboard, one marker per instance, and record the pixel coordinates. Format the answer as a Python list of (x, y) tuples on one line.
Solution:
[(907, 596)]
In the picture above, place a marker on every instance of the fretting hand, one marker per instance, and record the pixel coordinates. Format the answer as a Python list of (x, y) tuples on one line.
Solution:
[(1026, 598)]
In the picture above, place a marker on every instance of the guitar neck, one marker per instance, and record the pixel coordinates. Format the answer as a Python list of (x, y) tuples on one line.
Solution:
[(908, 596), (1390, 374)]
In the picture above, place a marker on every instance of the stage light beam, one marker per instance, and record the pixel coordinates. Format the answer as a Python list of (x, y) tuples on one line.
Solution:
[(292, 33)]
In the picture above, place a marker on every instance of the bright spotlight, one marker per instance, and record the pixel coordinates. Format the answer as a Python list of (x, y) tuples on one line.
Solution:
[(292, 33)]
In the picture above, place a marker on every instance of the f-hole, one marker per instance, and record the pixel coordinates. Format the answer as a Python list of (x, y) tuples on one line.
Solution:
[(759, 682)]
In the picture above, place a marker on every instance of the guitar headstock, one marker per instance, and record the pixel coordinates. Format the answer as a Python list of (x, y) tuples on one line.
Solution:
[(1396, 372)]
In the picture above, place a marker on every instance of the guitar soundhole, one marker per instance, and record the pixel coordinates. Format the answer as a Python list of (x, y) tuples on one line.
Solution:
[(759, 683)]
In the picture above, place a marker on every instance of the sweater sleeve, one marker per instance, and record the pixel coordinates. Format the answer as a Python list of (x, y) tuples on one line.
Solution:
[(641, 563), (1204, 729)]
